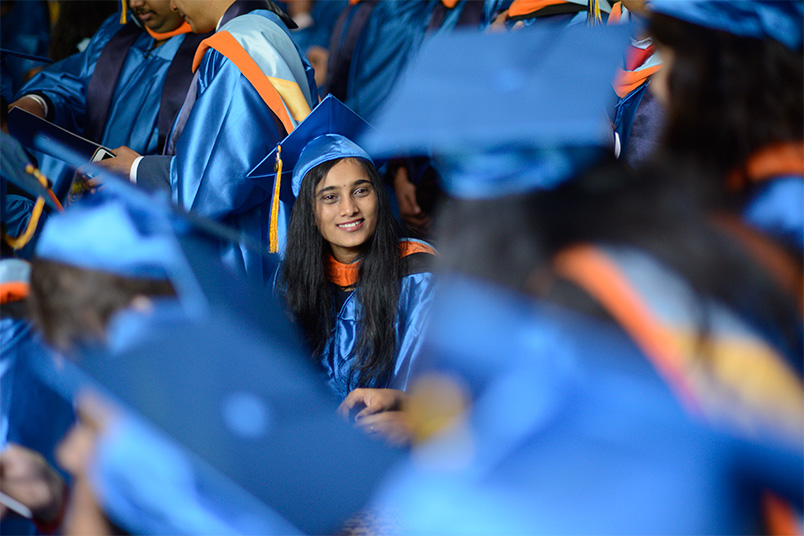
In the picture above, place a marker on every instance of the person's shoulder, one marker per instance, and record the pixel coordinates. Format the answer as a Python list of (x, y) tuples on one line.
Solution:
[(418, 256)]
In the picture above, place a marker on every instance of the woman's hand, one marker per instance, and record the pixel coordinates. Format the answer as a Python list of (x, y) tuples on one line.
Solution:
[(381, 412), (371, 401)]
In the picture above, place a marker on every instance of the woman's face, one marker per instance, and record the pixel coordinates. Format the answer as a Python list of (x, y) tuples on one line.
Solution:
[(345, 204)]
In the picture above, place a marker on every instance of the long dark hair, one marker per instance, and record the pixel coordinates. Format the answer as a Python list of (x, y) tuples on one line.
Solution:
[(729, 97), (310, 296), (616, 205)]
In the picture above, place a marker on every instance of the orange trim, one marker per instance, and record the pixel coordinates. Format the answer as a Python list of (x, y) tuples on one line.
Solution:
[(449, 4), (226, 44), (627, 81), (593, 271), (783, 158), (616, 13), (183, 29), (346, 275), (409, 247), (13, 291), (520, 8), (780, 519), (353, 2)]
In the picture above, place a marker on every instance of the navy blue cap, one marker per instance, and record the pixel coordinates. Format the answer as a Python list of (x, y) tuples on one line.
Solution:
[(526, 100), (781, 20), (327, 133)]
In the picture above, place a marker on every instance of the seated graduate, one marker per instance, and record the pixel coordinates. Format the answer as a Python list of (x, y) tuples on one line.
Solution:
[(360, 292), (562, 405)]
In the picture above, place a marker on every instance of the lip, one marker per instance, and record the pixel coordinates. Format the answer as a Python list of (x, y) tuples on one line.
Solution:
[(354, 225), (145, 15)]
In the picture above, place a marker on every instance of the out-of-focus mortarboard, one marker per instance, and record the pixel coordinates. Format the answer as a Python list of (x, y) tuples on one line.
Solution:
[(17, 168), (505, 113), (325, 134), (256, 443), (781, 20)]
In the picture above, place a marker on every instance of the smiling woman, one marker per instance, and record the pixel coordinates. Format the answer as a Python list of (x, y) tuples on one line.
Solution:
[(360, 292)]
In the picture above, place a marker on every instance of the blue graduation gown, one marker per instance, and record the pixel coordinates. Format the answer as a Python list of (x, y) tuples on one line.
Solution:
[(775, 208), (416, 295), (570, 431), (229, 130), (133, 113)]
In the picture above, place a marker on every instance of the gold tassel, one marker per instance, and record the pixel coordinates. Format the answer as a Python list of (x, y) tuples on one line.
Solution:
[(273, 239), (594, 16), (123, 6)]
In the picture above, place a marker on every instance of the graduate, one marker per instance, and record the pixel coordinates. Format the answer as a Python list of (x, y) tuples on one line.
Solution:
[(252, 87), (359, 290), (734, 113), (125, 88), (590, 365)]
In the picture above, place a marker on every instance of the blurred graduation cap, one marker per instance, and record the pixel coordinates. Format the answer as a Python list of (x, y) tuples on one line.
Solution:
[(509, 112), (17, 168), (781, 20), (327, 133)]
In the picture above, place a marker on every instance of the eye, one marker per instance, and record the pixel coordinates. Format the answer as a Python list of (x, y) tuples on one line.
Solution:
[(362, 191), (328, 199)]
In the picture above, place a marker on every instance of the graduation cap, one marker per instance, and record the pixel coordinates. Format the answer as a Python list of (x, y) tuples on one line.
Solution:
[(508, 112), (327, 133), (782, 20), (250, 428)]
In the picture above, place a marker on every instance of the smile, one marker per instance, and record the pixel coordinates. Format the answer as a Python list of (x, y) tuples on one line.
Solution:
[(351, 226)]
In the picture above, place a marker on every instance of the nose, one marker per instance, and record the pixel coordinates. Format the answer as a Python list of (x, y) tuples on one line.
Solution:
[(135, 3), (348, 206)]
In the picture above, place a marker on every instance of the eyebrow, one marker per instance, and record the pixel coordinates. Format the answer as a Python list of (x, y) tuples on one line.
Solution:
[(333, 188)]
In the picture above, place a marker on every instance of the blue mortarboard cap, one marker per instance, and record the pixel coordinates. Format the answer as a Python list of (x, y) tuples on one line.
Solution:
[(781, 20), (331, 117), (254, 437), (492, 108), (119, 230)]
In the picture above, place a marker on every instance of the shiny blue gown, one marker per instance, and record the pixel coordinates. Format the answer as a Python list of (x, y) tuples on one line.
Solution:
[(230, 130)]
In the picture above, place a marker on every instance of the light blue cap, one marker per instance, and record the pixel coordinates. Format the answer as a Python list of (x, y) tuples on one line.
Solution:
[(781, 20), (323, 149), (119, 230), (506, 113)]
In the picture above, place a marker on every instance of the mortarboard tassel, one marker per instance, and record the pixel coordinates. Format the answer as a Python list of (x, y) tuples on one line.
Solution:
[(594, 15), (23, 239), (273, 246), (123, 7)]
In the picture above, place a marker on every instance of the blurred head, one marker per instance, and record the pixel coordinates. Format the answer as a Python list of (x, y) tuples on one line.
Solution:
[(157, 15)]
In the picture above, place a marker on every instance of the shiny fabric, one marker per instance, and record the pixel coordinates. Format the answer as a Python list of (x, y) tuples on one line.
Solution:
[(230, 130), (133, 114), (337, 359), (570, 431)]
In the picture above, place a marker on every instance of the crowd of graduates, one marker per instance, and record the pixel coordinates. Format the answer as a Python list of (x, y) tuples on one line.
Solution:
[(402, 267)]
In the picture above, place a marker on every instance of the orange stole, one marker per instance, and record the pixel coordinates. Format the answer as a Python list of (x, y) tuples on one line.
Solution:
[(345, 275)]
